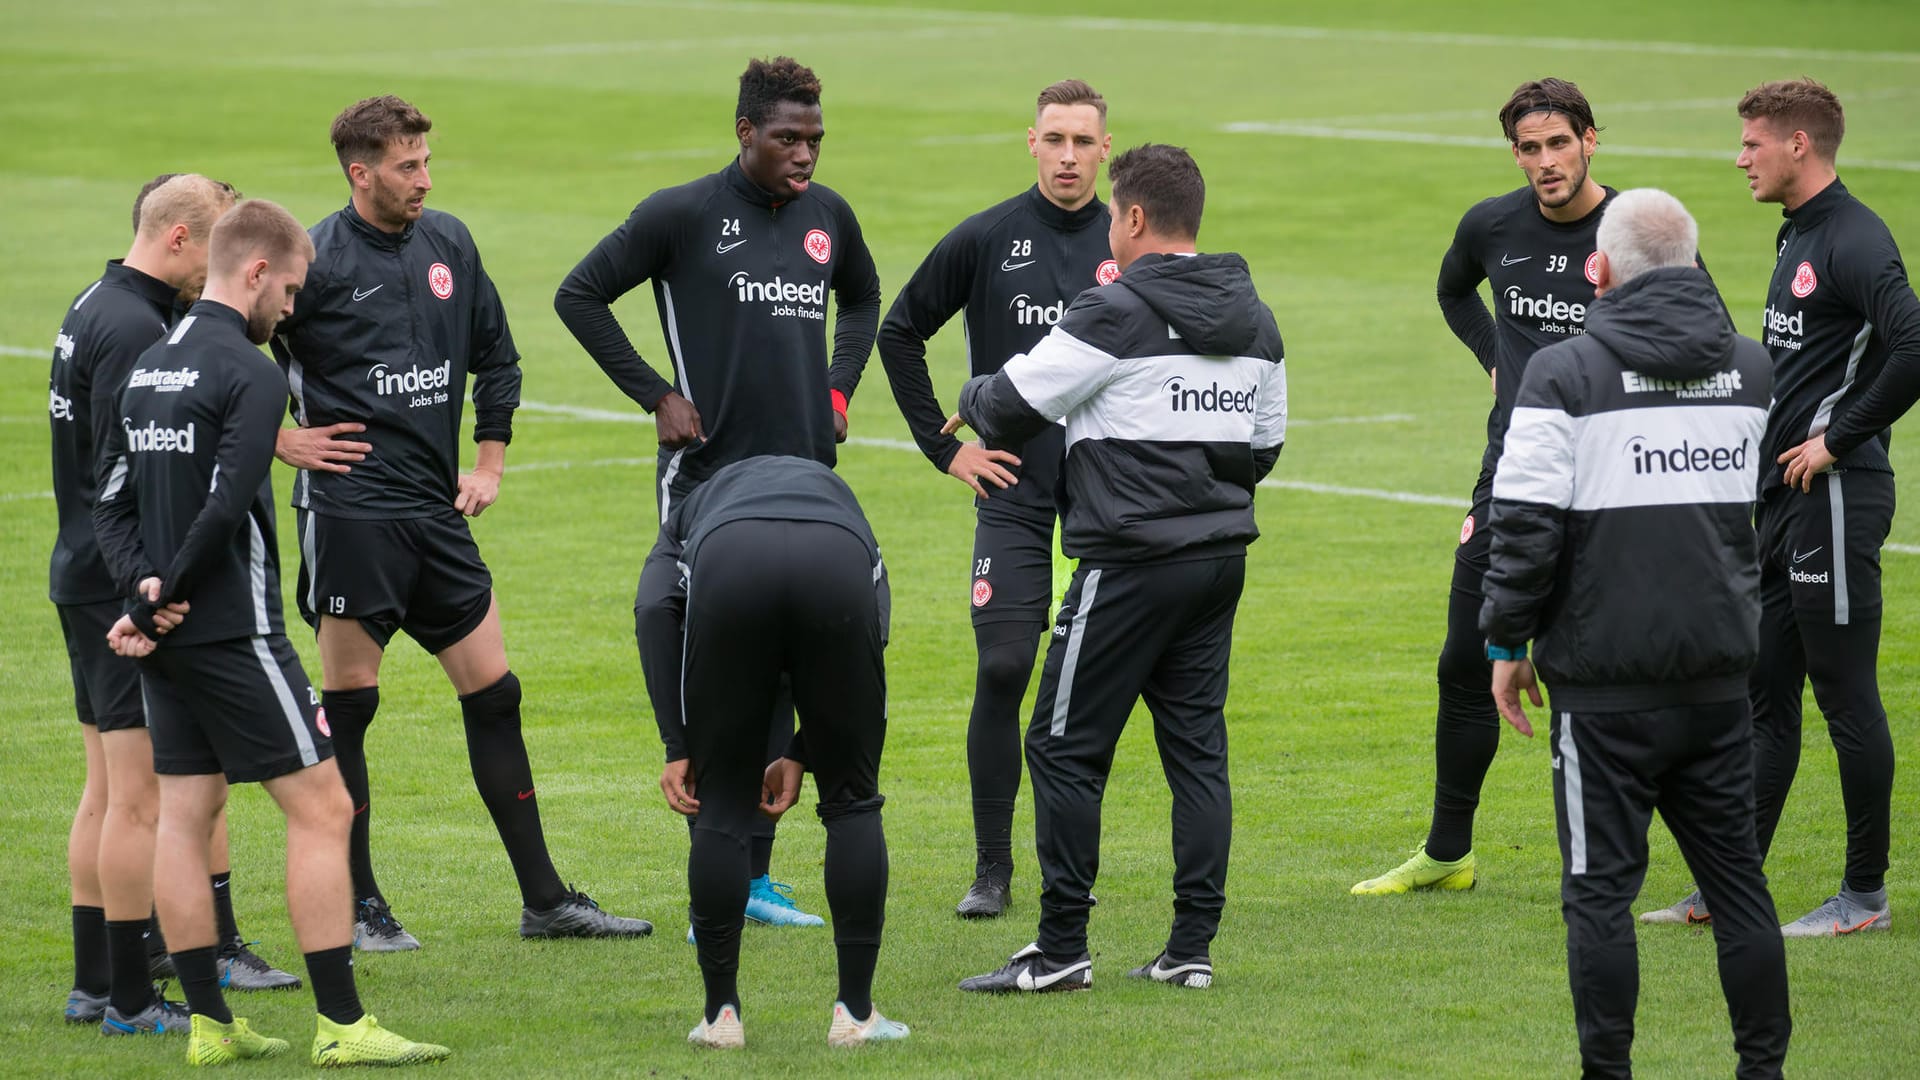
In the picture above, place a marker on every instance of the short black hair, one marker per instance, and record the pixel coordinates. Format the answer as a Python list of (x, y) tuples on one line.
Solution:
[(1547, 95), (1164, 182), (766, 83)]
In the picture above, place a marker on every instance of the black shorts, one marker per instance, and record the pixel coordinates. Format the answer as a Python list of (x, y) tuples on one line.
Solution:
[(243, 707), (1012, 567), (106, 686), (1475, 551), (1826, 542), (422, 575)]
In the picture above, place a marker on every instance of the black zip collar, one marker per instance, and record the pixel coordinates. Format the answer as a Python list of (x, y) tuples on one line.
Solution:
[(1054, 217), (1819, 208), (375, 235), (149, 288), (215, 311), (737, 179)]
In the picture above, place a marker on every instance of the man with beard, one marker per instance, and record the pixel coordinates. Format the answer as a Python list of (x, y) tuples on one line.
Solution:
[(1535, 244), (397, 311), (185, 520), (741, 262)]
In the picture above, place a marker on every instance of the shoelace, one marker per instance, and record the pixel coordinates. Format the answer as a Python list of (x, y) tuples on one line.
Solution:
[(780, 894), (379, 917), (577, 897), (244, 955)]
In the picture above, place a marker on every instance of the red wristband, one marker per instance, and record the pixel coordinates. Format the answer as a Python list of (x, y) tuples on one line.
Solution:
[(839, 402)]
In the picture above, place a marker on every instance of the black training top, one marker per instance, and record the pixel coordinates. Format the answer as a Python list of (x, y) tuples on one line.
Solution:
[(1014, 268), (186, 491), (110, 324), (384, 334), (1843, 326), (741, 284)]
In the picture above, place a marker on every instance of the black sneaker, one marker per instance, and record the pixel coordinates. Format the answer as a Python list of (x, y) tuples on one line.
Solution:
[(376, 930), (1032, 971), (989, 898), (160, 1017), (160, 966), (242, 969), (85, 1008), (576, 915), (1196, 974)]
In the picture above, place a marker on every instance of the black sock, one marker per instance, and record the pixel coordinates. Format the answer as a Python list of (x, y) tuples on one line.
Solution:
[(1466, 737), (199, 972), (760, 857), (334, 994), (223, 907), (349, 713), (856, 978), (132, 989), (90, 963), (504, 778), (993, 738)]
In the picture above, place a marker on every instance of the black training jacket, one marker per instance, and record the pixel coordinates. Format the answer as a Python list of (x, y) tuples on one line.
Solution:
[(1843, 326), (741, 284), (110, 324), (1172, 382), (1623, 541), (384, 333), (186, 490), (1013, 268)]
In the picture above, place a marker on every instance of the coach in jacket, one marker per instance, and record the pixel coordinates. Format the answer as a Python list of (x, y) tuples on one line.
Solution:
[(1623, 548)]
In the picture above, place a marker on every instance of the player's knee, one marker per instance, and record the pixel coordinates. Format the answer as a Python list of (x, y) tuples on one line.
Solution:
[(1006, 668), (496, 706), (1463, 663), (850, 812)]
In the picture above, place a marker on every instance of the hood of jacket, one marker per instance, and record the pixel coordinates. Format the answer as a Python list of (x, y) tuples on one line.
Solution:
[(1668, 323), (1209, 300)]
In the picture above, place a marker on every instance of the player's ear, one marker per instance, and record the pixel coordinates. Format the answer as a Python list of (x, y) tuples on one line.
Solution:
[(177, 238), (1106, 147), (256, 273), (743, 130), (1602, 274)]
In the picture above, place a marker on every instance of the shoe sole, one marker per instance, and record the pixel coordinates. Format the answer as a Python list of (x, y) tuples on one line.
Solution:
[(1878, 922)]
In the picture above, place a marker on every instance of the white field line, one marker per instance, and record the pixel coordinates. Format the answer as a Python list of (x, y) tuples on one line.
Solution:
[(1430, 138), (1134, 26), (15, 350)]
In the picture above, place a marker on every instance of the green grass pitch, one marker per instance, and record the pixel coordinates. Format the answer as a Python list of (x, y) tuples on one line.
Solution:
[(1341, 143)]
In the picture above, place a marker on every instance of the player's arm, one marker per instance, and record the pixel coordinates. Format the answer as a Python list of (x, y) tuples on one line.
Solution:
[(330, 447), (1874, 281), (1270, 420), (1458, 291), (113, 355), (495, 365), (640, 248), (241, 461), (1532, 491), (856, 316), (1036, 388), (116, 509), (937, 292)]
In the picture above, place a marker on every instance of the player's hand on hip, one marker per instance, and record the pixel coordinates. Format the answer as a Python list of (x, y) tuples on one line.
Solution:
[(1805, 460), (676, 783), (1509, 678), (780, 788), (676, 421), (975, 463), (321, 449), (125, 640), (478, 490)]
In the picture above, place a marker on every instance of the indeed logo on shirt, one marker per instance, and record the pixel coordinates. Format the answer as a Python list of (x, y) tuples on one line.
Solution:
[(1028, 313), (1557, 316), (1780, 323), (1213, 398), (58, 406), (428, 383), (777, 291), (153, 437), (165, 382), (1685, 458)]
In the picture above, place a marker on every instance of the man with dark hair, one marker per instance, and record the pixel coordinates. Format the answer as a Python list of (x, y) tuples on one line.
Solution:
[(110, 847), (397, 311), (782, 578), (186, 522), (1535, 244), (741, 262), (1635, 447), (1843, 326), (1172, 386), (1013, 268)]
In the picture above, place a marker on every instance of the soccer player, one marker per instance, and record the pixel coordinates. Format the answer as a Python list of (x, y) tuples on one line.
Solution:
[(1013, 268), (1172, 386), (185, 520), (1535, 244), (741, 262), (1632, 457), (781, 576), (1843, 326), (110, 847), (398, 310)]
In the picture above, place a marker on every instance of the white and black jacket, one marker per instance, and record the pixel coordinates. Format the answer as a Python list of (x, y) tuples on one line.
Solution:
[(1623, 541), (1172, 385)]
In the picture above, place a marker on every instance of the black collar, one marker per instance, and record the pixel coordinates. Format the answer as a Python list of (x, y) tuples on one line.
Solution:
[(743, 186), (374, 234), (217, 312), (149, 288), (1053, 217), (1820, 207)]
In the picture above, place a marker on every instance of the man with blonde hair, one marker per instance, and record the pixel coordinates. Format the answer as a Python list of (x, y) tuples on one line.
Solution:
[(185, 519), (1631, 457)]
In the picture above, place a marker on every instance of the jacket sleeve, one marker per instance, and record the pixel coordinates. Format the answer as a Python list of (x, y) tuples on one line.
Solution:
[(1874, 281), (114, 356), (1035, 388), (937, 291), (1458, 290), (641, 248), (1270, 415), (247, 434), (116, 511), (493, 362), (856, 308), (1532, 491)]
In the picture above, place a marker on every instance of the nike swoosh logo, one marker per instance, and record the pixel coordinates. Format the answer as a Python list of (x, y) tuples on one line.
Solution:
[(525, 795), (1011, 265), (1799, 558), (722, 249), (1028, 981), (1504, 261), (359, 296)]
